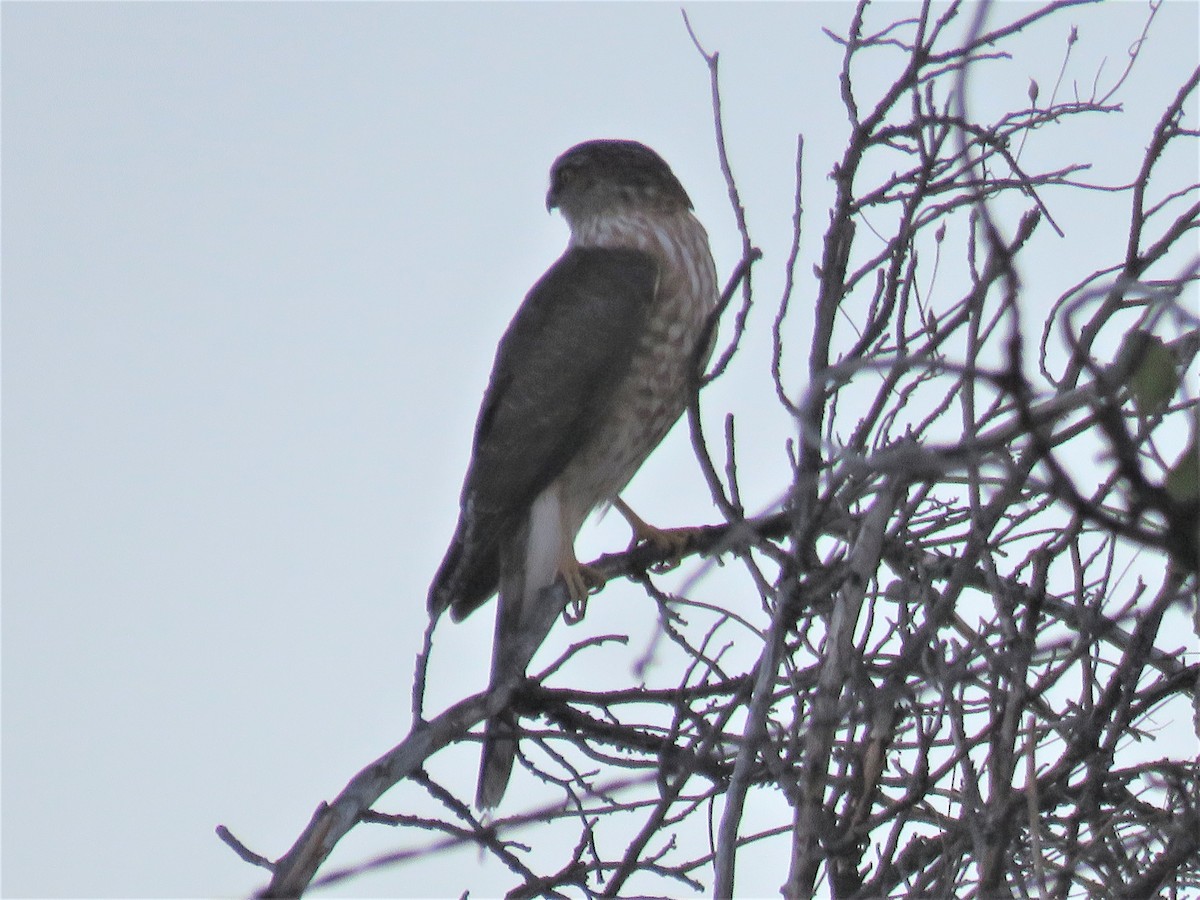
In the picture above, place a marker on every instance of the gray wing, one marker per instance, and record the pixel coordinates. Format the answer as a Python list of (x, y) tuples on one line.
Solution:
[(555, 373)]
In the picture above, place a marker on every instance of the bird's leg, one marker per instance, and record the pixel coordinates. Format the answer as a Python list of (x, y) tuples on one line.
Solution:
[(671, 541), (580, 580)]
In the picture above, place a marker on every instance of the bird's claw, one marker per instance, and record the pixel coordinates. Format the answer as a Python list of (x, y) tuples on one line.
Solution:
[(671, 543), (580, 581)]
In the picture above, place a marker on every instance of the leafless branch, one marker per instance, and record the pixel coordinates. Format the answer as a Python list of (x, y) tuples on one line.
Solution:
[(950, 659)]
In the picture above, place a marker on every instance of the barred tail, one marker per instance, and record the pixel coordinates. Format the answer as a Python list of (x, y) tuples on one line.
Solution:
[(529, 565), (496, 761)]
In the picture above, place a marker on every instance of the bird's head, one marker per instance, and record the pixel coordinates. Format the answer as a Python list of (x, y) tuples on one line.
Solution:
[(598, 177)]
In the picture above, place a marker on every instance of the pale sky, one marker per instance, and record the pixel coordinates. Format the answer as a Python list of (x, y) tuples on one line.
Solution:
[(256, 258)]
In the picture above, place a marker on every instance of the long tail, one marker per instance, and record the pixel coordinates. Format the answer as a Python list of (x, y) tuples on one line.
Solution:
[(529, 564), (500, 731), (496, 761)]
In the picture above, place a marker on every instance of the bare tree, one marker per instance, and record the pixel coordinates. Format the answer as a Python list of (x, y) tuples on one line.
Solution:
[(946, 665)]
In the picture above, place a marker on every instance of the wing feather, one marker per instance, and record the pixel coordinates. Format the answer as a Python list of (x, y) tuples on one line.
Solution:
[(553, 378)]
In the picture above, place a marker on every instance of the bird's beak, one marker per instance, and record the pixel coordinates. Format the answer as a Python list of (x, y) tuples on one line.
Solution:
[(551, 203)]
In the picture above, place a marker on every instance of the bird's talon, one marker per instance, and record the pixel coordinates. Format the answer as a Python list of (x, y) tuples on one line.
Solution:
[(592, 579), (575, 611), (581, 582), (672, 543)]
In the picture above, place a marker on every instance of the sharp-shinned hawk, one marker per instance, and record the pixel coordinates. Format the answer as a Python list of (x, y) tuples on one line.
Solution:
[(593, 371)]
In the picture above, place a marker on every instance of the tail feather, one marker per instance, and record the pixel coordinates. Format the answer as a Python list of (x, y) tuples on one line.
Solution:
[(528, 565), (496, 760), (469, 573)]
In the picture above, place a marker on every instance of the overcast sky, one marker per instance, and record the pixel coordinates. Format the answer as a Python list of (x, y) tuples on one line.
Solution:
[(256, 258)]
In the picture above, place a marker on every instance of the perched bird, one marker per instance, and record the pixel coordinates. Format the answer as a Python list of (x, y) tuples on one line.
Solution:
[(591, 374)]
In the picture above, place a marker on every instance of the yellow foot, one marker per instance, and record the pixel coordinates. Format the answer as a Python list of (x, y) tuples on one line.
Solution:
[(580, 581), (673, 542)]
